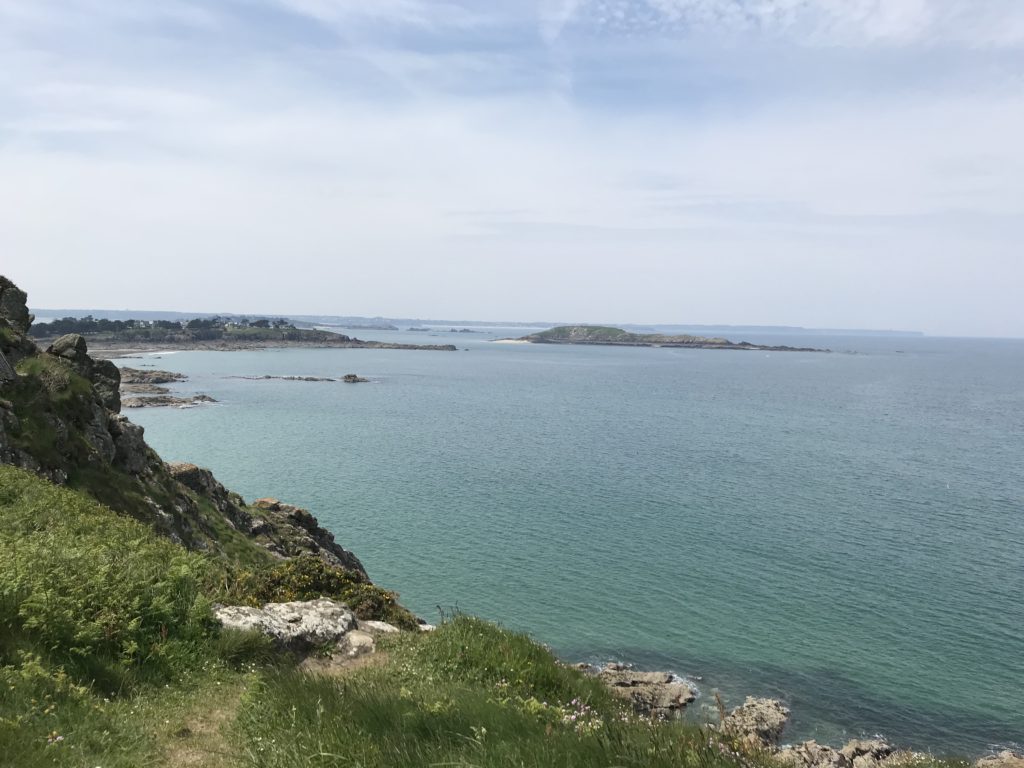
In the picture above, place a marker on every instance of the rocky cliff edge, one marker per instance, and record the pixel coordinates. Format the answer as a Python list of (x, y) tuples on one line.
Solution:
[(60, 418)]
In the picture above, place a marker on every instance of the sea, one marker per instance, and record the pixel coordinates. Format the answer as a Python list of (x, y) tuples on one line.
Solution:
[(843, 531)]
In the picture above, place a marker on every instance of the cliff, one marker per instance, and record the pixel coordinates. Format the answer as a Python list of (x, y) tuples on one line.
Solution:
[(60, 419)]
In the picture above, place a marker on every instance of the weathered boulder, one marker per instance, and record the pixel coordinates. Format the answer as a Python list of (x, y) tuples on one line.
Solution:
[(71, 347), (298, 626), (658, 694), (14, 306), (352, 378), (357, 643), (757, 721)]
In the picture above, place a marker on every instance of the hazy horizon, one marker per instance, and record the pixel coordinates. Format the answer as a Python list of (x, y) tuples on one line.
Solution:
[(812, 163), (44, 313)]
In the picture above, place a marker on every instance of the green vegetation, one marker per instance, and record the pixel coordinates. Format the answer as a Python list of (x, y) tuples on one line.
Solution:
[(469, 694), (602, 334), (308, 577), (109, 657), (105, 631), (90, 326), (47, 395)]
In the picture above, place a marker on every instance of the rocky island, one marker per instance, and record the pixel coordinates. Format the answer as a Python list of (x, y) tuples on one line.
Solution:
[(616, 337)]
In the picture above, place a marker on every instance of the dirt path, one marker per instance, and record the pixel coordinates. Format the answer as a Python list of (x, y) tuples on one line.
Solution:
[(201, 740)]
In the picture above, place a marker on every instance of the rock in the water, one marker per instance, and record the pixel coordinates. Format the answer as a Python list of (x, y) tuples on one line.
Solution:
[(351, 378), (162, 401), (658, 694), (298, 626), (758, 721)]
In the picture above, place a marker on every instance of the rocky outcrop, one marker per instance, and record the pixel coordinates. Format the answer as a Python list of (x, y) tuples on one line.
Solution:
[(859, 753), (656, 694), (300, 626), (811, 754), (14, 306), (757, 721), (202, 481), (351, 378), (103, 374), (866, 753), (61, 420), (292, 531), (1004, 759)]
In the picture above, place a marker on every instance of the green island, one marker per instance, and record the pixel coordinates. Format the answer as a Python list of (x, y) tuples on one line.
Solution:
[(151, 617), (113, 338), (616, 337)]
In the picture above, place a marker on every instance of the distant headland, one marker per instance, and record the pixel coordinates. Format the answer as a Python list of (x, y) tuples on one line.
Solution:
[(115, 338), (617, 337)]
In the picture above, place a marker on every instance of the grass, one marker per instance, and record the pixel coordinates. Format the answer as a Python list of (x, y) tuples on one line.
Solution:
[(105, 632), (47, 393), (468, 694), (308, 577)]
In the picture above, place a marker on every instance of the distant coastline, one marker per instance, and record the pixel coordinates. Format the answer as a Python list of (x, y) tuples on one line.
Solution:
[(111, 348), (119, 338)]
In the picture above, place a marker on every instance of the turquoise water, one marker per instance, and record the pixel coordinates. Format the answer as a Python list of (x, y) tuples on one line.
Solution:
[(844, 531)]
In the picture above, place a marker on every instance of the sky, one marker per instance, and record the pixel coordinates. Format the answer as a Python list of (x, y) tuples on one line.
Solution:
[(823, 163)]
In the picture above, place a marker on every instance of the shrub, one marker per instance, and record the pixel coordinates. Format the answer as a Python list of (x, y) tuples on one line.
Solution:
[(82, 582), (308, 577)]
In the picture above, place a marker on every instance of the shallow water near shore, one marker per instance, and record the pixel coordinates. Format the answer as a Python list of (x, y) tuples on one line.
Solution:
[(843, 531)]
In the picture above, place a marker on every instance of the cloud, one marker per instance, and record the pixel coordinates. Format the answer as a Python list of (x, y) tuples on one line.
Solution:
[(379, 146), (818, 22)]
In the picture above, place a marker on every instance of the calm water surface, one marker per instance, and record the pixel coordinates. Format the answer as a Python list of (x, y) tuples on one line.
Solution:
[(844, 531)]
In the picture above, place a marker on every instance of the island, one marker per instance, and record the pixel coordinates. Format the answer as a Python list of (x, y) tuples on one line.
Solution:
[(616, 337)]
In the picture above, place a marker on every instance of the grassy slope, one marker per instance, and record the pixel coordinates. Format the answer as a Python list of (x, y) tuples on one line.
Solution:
[(108, 657)]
